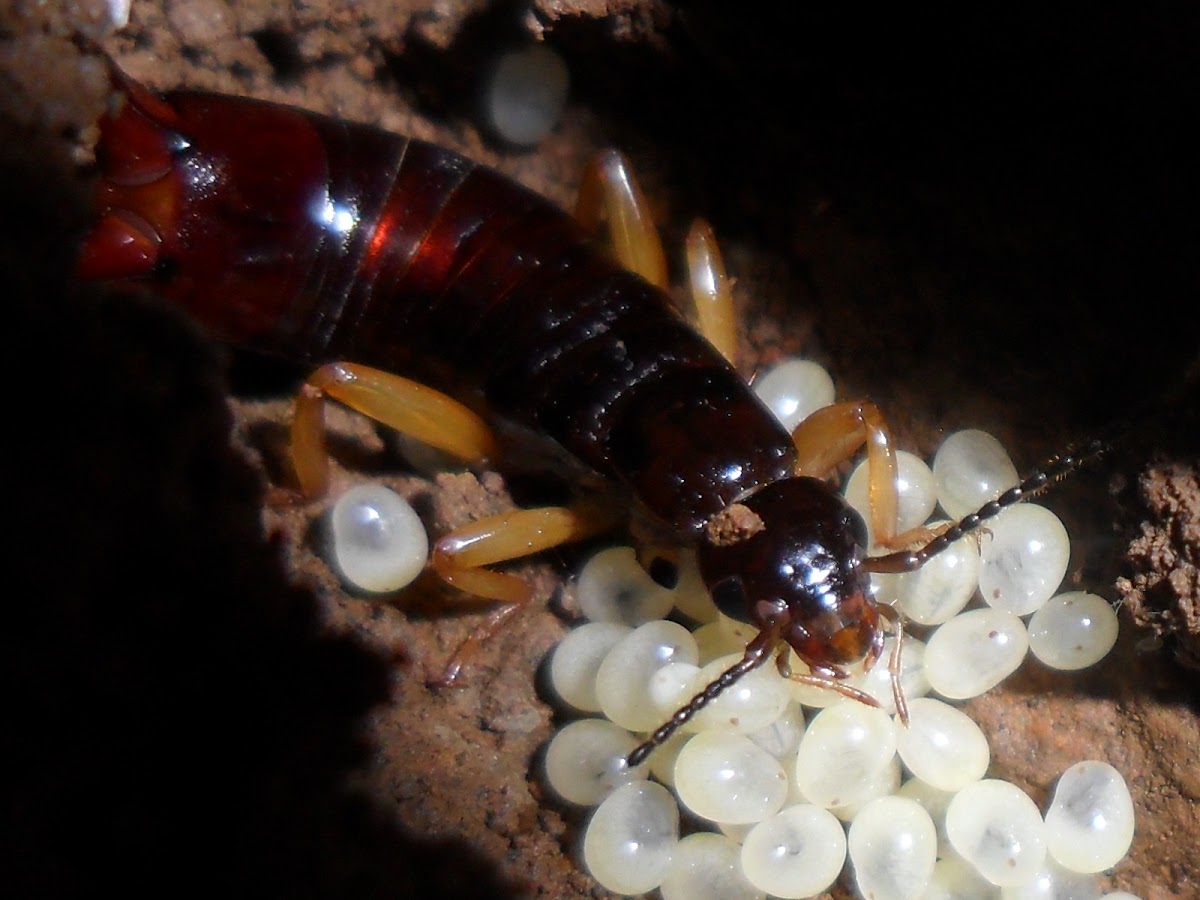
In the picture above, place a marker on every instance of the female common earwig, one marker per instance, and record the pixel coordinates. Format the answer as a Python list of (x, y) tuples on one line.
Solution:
[(381, 259)]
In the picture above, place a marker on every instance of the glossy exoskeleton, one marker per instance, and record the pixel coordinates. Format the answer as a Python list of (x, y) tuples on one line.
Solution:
[(324, 241)]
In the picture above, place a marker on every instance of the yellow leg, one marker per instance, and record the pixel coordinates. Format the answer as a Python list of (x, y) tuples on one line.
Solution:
[(400, 403), (460, 557), (834, 434), (711, 292), (609, 193)]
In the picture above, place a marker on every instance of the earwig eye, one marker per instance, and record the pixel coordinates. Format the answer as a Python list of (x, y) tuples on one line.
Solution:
[(730, 598)]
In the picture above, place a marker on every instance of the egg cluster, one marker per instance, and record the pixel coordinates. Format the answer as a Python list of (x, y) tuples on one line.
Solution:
[(794, 780)]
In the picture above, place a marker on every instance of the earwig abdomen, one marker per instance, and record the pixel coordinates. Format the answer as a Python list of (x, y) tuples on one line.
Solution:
[(323, 240)]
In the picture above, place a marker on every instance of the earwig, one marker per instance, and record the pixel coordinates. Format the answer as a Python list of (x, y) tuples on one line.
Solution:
[(442, 298)]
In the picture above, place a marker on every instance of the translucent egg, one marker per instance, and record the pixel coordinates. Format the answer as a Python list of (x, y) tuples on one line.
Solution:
[(845, 747), (935, 802), (942, 745), (526, 94), (882, 784), (794, 389), (1053, 882), (662, 758), (716, 639), (1089, 824), (631, 838), (974, 652), (997, 828), (1073, 630), (672, 686), (914, 484), (883, 587), (690, 595), (728, 778), (613, 587), (1023, 559), (892, 846), (707, 866), (781, 738), (576, 660), (736, 833), (954, 878), (623, 679), (379, 543), (585, 760), (878, 680), (798, 852), (971, 468), (754, 701), (939, 590)]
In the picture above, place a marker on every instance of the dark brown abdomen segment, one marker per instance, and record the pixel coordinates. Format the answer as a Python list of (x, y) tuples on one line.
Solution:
[(469, 279)]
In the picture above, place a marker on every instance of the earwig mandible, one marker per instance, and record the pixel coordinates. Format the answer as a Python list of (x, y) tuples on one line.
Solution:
[(436, 296)]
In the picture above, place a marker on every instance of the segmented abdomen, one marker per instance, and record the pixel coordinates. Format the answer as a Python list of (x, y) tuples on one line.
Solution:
[(421, 262)]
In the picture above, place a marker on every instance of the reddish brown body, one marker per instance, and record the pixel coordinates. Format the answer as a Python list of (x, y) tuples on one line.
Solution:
[(321, 240)]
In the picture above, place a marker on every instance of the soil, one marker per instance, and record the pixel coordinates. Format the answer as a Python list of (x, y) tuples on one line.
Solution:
[(1163, 587), (981, 230)]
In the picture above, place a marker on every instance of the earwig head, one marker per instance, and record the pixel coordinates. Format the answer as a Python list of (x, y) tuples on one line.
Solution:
[(206, 200), (787, 559)]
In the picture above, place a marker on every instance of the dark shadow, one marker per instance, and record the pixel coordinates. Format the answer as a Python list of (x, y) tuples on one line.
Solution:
[(1015, 195), (178, 719)]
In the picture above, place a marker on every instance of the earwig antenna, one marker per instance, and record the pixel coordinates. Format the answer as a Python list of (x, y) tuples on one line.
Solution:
[(757, 652), (1054, 469)]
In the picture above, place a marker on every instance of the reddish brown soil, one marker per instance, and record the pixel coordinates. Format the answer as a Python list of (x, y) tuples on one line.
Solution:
[(978, 233)]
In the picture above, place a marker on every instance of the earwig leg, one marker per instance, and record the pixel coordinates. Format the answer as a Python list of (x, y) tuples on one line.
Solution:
[(405, 405), (833, 434), (711, 292), (831, 684), (609, 193), (921, 534), (474, 641), (894, 665), (460, 556), (824, 677)]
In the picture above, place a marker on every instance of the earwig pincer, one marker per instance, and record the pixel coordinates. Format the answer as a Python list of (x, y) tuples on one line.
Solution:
[(436, 296)]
